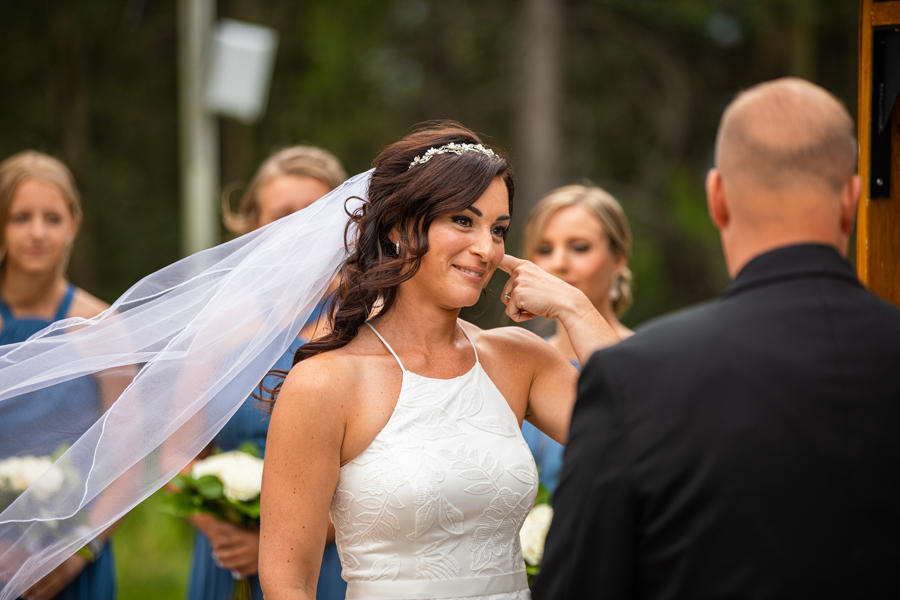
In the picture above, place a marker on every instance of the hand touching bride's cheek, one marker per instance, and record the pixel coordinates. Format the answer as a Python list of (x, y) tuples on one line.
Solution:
[(464, 250)]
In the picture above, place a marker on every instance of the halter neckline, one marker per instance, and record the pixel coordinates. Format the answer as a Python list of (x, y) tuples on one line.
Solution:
[(405, 370), (61, 311)]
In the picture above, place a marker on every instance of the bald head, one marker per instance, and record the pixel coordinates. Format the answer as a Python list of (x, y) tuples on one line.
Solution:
[(785, 158), (786, 134)]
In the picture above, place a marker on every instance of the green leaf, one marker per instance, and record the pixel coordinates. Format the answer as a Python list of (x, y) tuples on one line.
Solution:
[(543, 496), (210, 487), (250, 448), (183, 483), (7, 497), (59, 452), (248, 509), (179, 505)]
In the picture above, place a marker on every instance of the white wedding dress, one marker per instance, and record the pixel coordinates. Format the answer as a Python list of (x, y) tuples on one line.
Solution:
[(433, 507)]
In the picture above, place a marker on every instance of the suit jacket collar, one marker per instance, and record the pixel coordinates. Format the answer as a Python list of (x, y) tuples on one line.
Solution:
[(792, 262)]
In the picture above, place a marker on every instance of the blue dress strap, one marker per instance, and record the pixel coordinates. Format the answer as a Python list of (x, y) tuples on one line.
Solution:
[(5, 312), (63, 309)]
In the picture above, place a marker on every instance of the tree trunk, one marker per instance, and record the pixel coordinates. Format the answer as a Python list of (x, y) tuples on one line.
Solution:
[(802, 57), (539, 130), (71, 115)]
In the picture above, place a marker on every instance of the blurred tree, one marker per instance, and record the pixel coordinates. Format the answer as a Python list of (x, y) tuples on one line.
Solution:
[(639, 86)]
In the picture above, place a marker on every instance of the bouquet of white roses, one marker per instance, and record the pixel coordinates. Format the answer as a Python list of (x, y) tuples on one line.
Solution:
[(534, 532), (226, 486), (18, 473)]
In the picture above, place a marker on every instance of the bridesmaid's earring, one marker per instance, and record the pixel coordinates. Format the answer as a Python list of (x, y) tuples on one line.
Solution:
[(397, 247), (614, 292)]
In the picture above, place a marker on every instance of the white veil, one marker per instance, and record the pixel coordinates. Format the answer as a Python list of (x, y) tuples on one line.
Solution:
[(138, 391)]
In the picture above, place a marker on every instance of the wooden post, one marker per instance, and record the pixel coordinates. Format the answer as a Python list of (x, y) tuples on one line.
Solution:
[(878, 221)]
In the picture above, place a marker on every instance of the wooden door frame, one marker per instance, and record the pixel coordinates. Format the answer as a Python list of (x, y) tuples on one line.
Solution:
[(878, 220)]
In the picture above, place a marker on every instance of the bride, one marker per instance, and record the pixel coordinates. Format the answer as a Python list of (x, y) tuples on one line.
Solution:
[(403, 423)]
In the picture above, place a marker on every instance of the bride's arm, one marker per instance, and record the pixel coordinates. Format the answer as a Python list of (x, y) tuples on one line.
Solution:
[(535, 293), (551, 388), (302, 464)]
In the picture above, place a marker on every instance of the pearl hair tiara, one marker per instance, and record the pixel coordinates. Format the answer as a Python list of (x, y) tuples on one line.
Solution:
[(451, 148)]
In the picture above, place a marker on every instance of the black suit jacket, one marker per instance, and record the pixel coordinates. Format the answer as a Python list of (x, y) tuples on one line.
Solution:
[(748, 448)]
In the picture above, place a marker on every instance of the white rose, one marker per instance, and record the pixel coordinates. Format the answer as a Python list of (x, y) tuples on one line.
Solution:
[(240, 473), (21, 472), (208, 466), (534, 533)]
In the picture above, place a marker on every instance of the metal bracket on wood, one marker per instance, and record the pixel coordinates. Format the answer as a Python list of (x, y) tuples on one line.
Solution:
[(885, 88)]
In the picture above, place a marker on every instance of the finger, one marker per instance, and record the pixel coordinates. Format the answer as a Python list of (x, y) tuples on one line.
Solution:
[(506, 294), (513, 310), (510, 262), (244, 571), (250, 571), (520, 316), (228, 556), (230, 563), (227, 531), (226, 546), (240, 563)]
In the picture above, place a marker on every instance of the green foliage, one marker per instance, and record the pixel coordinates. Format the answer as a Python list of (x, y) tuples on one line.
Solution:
[(645, 82), (205, 495), (543, 495), (59, 452), (153, 552), (7, 495), (210, 488), (250, 448)]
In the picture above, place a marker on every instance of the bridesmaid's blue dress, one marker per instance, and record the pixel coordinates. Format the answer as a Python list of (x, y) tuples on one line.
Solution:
[(548, 453), (98, 580), (207, 580)]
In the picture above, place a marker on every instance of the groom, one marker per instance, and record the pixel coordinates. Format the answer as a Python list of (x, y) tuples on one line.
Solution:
[(750, 447)]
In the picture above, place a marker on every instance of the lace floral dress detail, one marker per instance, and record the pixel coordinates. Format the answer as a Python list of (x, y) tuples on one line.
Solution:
[(433, 507)]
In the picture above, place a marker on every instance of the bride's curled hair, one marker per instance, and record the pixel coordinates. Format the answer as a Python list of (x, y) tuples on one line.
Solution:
[(403, 201)]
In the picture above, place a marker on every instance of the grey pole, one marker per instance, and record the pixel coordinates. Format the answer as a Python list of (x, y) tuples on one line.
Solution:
[(539, 127), (198, 131)]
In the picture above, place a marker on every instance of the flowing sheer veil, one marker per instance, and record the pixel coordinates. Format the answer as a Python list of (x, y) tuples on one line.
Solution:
[(132, 395)]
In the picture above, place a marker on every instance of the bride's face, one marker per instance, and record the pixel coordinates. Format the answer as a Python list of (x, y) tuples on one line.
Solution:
[(464, 249)]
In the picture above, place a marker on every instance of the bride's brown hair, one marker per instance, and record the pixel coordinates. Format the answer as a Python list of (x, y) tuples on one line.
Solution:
[(404, 200)]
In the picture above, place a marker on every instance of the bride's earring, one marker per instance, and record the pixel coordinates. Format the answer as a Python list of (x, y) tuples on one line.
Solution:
[(614, 292), (397, 247)]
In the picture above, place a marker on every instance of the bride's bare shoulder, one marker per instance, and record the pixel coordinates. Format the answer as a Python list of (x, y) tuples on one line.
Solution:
[(513, 348), (508, 339), (336, 374)]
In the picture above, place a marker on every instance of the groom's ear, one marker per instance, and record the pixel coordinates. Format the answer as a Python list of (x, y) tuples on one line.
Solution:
[(715, 199)]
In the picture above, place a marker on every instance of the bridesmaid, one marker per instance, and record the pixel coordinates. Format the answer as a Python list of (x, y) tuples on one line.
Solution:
[(579, 234), (40, 212), (286, 182)]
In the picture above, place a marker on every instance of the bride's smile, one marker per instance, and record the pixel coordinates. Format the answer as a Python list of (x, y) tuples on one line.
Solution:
[(464, 250)]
